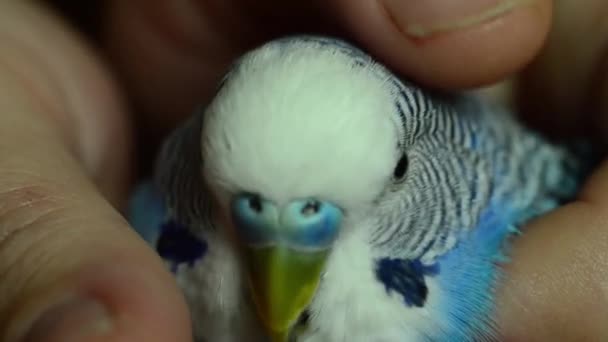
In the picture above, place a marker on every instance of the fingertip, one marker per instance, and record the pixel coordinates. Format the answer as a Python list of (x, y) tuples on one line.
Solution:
[(125, 296), (145, 302), (450, 50), (64, 250), (554, 289)]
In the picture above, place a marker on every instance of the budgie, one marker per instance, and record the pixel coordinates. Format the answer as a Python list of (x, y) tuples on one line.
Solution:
[(320, 197)]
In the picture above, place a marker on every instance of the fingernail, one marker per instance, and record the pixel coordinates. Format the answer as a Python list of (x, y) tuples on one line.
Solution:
[(73, 320), (423, 18)]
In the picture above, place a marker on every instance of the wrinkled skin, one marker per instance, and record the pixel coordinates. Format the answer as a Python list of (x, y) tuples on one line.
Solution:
[(66, 138)]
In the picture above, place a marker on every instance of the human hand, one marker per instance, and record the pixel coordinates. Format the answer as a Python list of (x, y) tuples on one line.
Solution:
[(557, 284), (60, 236)]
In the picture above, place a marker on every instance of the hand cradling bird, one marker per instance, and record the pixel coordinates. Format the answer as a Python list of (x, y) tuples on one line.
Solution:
[(319, 197)]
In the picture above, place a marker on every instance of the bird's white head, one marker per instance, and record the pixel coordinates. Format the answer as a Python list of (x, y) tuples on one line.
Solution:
[(302, 120), (299, 134)]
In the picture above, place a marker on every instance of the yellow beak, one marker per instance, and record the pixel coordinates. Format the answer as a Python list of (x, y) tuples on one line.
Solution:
[(283, 282), (285, 249)]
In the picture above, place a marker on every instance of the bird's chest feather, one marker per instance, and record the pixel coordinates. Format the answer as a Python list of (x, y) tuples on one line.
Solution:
[(353, 304), (365, 296)]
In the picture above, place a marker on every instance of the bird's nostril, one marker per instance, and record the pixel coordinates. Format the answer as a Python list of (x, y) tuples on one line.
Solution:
[(311, 208), (255, 203)]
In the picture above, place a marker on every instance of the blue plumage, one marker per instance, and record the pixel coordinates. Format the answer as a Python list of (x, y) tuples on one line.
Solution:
[(147, 212), (470, 276)]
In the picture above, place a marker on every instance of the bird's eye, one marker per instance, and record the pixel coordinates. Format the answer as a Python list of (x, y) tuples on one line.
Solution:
[(401, 167)]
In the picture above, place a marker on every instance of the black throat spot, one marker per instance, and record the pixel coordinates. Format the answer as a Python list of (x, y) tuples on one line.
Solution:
[(405, 277), (178, 245)]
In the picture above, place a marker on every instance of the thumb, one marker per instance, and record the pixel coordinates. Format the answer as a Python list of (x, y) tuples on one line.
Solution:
[(556, 288), (71, 268)]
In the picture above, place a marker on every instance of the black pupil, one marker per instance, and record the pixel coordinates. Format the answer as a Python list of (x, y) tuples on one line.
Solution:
[(401, 167), (255, 203)]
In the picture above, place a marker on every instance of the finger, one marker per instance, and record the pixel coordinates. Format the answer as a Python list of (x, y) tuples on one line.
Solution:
[(171, 54), (564, 90), (71, 268), (557, 284), (451, 44)]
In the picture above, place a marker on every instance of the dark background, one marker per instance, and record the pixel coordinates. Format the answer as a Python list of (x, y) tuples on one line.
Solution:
[(85, 15)]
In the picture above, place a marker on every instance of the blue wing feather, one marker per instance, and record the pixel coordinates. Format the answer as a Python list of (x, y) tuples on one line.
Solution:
[(470, 273), (147, 212)]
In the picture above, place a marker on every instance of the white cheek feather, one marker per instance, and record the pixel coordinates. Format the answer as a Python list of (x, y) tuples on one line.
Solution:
[(299, 123), (352, 305), (214, 290)]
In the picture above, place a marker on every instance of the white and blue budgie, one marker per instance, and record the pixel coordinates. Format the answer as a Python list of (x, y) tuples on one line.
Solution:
[(318, 197)]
